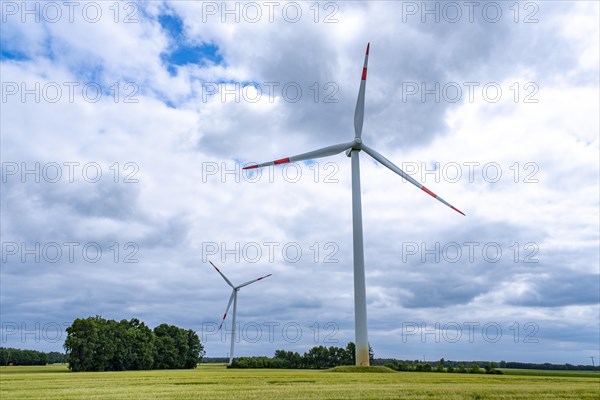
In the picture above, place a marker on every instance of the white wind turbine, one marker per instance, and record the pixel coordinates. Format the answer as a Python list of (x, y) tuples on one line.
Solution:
[(233, 298), (352, 150)]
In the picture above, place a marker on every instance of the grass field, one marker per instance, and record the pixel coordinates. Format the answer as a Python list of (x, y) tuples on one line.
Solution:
[(214, 381)]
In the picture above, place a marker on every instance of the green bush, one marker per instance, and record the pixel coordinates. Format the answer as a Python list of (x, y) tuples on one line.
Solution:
[(474, 369)]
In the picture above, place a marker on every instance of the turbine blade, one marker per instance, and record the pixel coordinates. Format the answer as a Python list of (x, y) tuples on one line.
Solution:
[(227, 310), (252, 281), (220, 273), (403, 174), (324, 152), (359, 112)]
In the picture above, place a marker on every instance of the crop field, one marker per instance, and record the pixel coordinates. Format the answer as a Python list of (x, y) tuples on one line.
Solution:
[(214, 381)]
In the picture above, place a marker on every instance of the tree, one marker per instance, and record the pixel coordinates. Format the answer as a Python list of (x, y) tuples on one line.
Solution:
[(290, 359), (165, 348), (195, 350), (474, 369), (176, 348), (82, 343), (440, 366), (317, 357), (490, 368), (402, 366), (351, 353), (140, 345)]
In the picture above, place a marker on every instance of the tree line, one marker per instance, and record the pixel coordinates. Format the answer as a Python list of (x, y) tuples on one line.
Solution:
[(98, 344), (444, 366), (461, 366), (328, 357), (320, 357), (316, 358), (548, 366), (10, 356)]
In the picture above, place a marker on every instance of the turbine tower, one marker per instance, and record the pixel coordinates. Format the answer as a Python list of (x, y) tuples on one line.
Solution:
[(352, 150), (233, 298)]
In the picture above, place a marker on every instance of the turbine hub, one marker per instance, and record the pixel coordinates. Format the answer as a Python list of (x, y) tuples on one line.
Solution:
[(357, 144)]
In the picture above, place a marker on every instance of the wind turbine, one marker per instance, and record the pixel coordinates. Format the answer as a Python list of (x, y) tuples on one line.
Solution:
[(233, 298), (352, 150)]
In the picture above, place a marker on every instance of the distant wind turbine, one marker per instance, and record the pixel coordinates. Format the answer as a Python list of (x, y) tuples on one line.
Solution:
[(352, 150), (233, 298)]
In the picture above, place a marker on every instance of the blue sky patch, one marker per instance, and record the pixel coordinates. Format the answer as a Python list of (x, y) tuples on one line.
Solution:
[(172, 24), (184, 54), (6, 54), (181, 52)]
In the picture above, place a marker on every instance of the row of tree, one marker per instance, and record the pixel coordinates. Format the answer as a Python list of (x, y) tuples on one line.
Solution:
[(454, 366), (548, 366), (316, 358), (444, 366), (10, 356), (97, 344)]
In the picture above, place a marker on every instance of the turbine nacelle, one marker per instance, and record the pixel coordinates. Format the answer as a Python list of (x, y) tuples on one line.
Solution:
[(356, 145)]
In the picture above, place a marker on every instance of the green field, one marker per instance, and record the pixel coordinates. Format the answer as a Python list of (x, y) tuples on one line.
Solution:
[(214, 381)]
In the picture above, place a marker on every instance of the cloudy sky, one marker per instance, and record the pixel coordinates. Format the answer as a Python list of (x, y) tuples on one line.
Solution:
[(125, 126)]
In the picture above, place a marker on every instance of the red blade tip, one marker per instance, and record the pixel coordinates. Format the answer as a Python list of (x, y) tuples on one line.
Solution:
[(368, 45), (429, 192), (457, 210), (251, 167), (282, 161)]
